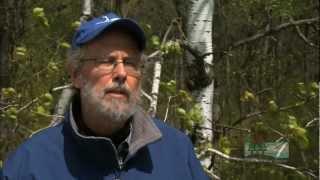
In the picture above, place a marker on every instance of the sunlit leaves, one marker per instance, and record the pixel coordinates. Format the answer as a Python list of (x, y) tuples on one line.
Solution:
[(191, 117), (247, 96), (75, 24), (185, 96), (225, 145), (43, 106), (295, 132), (39, 15), (171, 47), (8, 92), (65, 45), (21, 51), (155, 41), (10, 113), (272, 106), (301, 88), (53, 67), (168, 87)]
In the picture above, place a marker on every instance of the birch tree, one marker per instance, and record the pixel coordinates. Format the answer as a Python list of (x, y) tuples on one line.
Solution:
[(199, 35)]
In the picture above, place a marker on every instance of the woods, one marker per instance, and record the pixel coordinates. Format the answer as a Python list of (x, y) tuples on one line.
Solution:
[(236, 76)]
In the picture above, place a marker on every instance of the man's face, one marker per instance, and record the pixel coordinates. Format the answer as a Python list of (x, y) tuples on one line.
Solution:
[(109, 78)]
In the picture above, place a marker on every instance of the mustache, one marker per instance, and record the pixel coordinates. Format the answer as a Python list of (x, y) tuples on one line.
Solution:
[(119, 88)]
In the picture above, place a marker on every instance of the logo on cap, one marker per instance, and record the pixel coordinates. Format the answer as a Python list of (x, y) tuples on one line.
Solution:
[(107, 20)]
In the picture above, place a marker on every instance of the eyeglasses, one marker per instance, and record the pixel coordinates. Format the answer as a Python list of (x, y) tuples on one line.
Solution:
[(107, 64)]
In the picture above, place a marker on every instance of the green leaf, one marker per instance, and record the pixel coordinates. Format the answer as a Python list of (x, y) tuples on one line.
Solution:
[(38, 12), (11, 113), (314, 86), (225, 145), (8, 92), (47, 97), (272, 105), (181, 111), (301, 88), (41, 110), (155, 41), (53, 67), (65, 45), (75, 24), (247, 96)]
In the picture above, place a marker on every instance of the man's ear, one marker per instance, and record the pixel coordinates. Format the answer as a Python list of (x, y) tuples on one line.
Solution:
[(75, 75)]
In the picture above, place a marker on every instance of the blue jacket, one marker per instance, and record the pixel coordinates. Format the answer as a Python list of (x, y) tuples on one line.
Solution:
[(59, 152)]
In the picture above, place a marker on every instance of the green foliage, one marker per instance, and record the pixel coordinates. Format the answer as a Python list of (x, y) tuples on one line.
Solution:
[(187, 111), (171, 47), (155, 41), (225, 145), (39, 15), (297, 133), (247, 96), (8, 92), (272, 106)]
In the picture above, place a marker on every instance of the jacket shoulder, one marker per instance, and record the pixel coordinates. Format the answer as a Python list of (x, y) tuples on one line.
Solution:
[(170, 133), (34, 148)]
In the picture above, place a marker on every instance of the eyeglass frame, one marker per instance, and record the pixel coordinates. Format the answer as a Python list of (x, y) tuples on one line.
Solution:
[(136, 63)]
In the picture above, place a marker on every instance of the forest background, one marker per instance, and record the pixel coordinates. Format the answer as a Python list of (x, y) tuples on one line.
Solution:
[(234, 75)]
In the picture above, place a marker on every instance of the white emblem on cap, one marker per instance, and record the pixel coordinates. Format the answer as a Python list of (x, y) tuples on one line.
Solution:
[(106, 20)]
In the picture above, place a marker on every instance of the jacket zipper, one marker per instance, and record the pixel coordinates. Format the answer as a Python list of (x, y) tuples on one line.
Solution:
[(120, 163)]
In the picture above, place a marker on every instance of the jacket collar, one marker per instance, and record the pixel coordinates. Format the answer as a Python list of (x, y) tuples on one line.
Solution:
[(143, 132)]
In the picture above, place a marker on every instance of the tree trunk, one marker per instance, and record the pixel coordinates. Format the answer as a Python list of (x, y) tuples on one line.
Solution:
[(155, 87), (199, 32)]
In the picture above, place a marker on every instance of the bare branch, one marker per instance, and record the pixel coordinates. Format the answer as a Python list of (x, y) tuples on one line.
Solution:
[(263, 161), (211, 174), (274, 30), (302, 36), (168, 105), (28, 104), (146, 95), (152, 55), (309, 124), (61, 87)]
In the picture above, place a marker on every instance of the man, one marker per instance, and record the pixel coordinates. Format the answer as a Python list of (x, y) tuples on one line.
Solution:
[(105, 134)]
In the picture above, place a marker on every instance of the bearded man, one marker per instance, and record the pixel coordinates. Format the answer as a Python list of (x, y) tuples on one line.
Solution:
[(106, 134)]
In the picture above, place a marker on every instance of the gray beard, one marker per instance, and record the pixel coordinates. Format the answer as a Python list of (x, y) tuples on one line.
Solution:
[(116, 111)]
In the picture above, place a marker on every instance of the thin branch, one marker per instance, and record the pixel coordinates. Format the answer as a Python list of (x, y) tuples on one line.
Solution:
[(168, 105), (165, 37), (61, 87), (277, 132), (258, 113), (235, 128), (152, 55), (309, 124), (255, 160), (146, 95), (302, 36), (211, 174), (28, 104), (274, 30)]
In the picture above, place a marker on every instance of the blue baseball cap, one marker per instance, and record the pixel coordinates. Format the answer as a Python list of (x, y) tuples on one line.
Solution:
[(97, 26)]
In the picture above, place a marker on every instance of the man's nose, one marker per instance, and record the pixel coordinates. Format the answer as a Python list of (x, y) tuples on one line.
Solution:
[(119, 72)]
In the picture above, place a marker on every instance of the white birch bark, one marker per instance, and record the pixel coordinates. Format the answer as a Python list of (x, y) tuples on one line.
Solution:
[(199, 29), (155, 87)]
